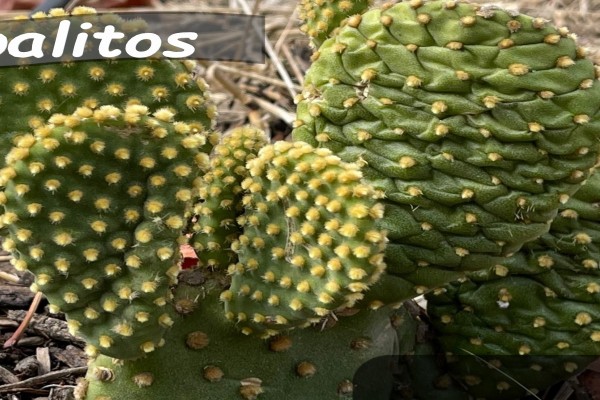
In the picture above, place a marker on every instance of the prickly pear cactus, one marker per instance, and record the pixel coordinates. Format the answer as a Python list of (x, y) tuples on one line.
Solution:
[(216, 228), (309, 244), (95, 203), (206, 355), (539, 324), (32, 93), (478, 124), (99, 176), (322, 18)]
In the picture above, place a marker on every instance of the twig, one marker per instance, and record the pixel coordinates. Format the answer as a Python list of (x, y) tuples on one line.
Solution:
[(38, 380), (253, 75), (271, 108), (9, 277), (72, 4), (272, 55), (7, 376), (25, 323), (211, 71), (293, 64), (502, 372), (286, 30)]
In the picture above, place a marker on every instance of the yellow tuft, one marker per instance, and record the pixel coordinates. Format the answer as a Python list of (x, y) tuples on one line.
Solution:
[(73, 326), (123, 329), (102, 204), (63, 239), (109, 305), (90, 313), (133, 261), (164, 114), (70, 298), (273, 300)]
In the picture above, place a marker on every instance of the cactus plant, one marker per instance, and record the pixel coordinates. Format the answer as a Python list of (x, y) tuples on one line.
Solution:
[(309, 245), (114, 185), (219, 206), (206, 355), (322, 18), (32, 93), (435, 141), (108, 264), (478, 124), (544, 310)]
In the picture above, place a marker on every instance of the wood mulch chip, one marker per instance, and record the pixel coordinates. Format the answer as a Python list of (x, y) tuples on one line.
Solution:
[(46, 361)]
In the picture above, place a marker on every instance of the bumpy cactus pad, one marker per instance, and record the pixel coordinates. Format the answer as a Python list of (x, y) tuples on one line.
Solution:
[(310, 244), (32, 93), (544, 305), (477, 123), (205, 356), (216, 228), (506, 336), (95, 203), (322, 18)]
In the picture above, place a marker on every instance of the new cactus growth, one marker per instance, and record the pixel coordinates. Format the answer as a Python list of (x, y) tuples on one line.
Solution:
[(216, 227), (322, 18), (309, 245)]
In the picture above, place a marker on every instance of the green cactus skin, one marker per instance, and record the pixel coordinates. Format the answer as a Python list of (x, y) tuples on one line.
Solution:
[(95, 204), (309, 244), (207, 356), (322, 18), (545, 308), (476, 123), (216, 228), (32, 93)]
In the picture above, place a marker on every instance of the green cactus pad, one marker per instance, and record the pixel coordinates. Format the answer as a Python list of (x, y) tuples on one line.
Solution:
[(95, 204), (508, 338), (543, 305), (215, 227), (322, 18), (310, 244), (476, 123), (206, 355)]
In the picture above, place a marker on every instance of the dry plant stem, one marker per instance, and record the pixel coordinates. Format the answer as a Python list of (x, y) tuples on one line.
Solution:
[(269, 80), (271, 108), (38, 380), (227, 84), (291, 20), (272, 55), (280, 46), (9, 277), (293, 64), (25, 323)]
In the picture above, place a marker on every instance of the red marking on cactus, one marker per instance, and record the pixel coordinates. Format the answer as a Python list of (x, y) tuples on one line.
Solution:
[(190, 259)]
